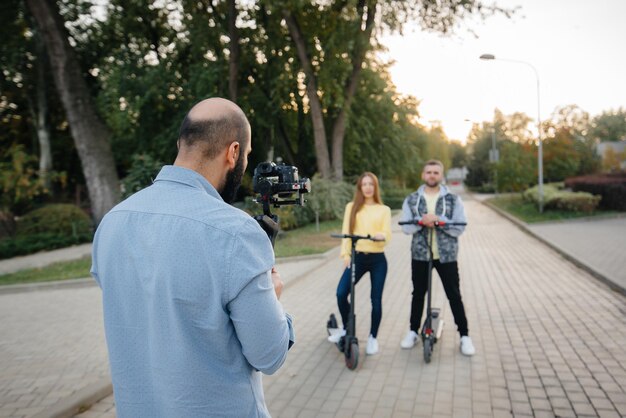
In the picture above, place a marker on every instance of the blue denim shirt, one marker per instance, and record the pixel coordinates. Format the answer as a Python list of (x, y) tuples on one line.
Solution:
[(190, 313)]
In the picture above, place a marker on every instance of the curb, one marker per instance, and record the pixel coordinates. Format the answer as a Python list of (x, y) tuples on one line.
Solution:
[(58, 284), (78, 402), (322, 257), (580, 264), (89, 281)]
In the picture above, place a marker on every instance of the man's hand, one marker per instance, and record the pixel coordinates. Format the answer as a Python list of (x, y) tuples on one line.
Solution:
[(379, 237), (429, 220), (346, 262), (278, 283)]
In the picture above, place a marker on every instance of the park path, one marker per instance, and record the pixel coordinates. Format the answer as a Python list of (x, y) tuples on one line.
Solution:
[(550, 339)]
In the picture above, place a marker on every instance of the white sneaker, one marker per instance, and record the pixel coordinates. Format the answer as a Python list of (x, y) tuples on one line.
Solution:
[(336, 334), (372, 346), (467, 348), (410, 340)]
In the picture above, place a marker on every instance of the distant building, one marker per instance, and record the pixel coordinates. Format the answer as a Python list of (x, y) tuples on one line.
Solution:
[(456, 175)]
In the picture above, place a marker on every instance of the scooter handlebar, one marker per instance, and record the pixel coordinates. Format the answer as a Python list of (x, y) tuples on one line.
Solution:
[(356, 237), (438, 223)]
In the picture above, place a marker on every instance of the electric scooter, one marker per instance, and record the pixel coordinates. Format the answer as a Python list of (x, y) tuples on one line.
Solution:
[(433, 324), (349, 344)]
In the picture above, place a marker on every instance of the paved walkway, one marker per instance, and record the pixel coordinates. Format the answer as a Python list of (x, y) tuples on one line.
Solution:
[(44, 258), (599, 243), (550, 339)]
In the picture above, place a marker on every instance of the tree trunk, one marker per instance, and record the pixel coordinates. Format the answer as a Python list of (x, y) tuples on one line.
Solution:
[(319, 132), (362, 45), (233, 59), (40, 116), (90, 134)]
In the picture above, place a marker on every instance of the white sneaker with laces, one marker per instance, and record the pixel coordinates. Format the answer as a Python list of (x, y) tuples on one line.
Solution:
[(409, 340), (467, 348), (336, 334), (372, 346)]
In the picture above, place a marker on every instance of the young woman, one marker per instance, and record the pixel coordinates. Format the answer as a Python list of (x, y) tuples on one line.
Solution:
[(365, 215)]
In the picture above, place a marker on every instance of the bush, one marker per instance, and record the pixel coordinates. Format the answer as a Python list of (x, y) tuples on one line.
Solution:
[(289, 216), (394, 196), (329, 198), (575, 202), (61, 219), (555, 197), (142, 173), (549, 191), (29, 244), (612, 188)]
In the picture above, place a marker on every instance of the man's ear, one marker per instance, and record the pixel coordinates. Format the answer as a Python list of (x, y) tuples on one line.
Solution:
[(232, 154)]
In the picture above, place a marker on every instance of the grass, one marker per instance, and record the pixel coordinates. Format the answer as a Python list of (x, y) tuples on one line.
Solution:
[(301, 241), (64, 270), (307, 240), (515, 205)]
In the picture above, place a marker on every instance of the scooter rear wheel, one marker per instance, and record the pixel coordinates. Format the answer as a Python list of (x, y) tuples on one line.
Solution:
[(428, 349), (352, 354)]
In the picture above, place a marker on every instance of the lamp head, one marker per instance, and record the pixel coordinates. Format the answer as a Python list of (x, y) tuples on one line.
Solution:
[(487, 57)]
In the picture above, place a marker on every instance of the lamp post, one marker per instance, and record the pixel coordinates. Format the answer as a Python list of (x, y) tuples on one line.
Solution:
[(494, 157), (540, 142)]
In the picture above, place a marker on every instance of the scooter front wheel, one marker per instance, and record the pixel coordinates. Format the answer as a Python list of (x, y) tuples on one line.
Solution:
[(428, 349), (352, 353)]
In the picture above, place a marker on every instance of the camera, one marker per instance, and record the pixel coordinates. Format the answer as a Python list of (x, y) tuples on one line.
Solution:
[(277, 185), (280, 180)]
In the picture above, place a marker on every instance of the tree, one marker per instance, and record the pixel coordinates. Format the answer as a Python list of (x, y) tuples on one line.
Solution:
[(517, 167), (91, 135), (610, 125), (458, 154), (333, 41), (568, 148)]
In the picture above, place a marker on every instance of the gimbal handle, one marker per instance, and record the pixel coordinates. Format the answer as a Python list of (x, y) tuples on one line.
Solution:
[(269, 225)]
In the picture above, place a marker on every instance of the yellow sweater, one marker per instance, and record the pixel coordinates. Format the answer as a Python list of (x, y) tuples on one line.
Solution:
[(370, 219)]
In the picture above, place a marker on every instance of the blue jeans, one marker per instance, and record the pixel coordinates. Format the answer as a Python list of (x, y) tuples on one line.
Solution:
[(376, 265)]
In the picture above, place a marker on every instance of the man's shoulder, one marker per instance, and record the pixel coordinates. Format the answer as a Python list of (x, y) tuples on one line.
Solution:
[(199, 208)]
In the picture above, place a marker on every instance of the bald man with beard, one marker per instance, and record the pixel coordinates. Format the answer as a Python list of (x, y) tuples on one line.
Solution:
[(189, 291)]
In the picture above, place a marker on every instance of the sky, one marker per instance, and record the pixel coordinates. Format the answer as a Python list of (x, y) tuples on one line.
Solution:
[(578, 48)]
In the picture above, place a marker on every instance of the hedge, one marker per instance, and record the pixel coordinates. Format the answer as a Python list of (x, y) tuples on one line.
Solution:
[(612, 188), (554, 197)]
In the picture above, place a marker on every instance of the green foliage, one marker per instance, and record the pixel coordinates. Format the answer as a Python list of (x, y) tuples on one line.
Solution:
[(394, 196), (64, 270), (29, 244), (289, 216), (141, 174), (610, 125), (566, 151), (47, 228), (527, 211), (60, 219), (20, 182), (329, 198), (555, 197), (517, 167), (575, 201)]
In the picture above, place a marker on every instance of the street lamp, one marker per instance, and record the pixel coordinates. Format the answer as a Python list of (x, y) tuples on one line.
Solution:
[(540, 144)]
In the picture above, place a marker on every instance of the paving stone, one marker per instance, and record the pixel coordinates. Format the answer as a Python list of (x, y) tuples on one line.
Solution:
[(528, 310)]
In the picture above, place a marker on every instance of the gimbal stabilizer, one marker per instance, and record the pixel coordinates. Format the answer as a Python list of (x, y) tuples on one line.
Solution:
[(275, 185)]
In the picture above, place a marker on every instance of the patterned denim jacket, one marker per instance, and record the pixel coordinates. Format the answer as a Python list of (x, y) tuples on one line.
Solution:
[(449, 208)]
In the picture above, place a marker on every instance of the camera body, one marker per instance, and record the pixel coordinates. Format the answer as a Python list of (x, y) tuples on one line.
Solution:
[(279, 180), (276, 185)]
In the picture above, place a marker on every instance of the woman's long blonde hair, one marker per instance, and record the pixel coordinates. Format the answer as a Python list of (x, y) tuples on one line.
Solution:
[(359, 200)]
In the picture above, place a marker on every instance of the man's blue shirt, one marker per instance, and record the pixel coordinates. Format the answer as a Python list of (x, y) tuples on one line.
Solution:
[(190, 311)]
